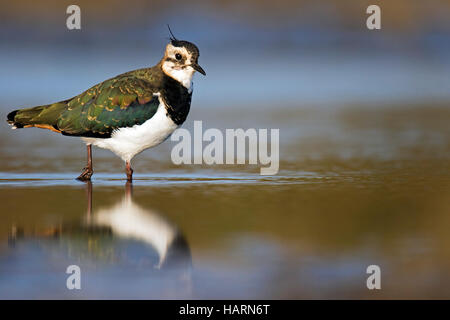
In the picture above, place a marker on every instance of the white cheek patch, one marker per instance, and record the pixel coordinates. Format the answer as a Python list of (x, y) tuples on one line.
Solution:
[(184, 75)]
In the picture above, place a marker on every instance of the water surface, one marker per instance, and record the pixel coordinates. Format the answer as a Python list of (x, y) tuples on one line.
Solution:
[(355, 189)]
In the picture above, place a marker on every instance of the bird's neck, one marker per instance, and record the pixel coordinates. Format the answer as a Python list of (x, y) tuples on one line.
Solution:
[(177, 99)]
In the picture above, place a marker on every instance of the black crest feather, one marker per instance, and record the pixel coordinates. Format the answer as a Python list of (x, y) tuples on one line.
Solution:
[(172, 37)]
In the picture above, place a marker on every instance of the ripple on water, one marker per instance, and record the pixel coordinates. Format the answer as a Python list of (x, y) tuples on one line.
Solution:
[(166, 179)]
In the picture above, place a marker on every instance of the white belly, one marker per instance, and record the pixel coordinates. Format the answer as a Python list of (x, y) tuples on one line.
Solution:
[(128, 142), (126, 219)]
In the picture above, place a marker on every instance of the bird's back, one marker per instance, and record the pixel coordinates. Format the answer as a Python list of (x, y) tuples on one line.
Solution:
[(122, 101)]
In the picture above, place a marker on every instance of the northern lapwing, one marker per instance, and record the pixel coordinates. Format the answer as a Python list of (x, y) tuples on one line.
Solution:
[(127, 114)]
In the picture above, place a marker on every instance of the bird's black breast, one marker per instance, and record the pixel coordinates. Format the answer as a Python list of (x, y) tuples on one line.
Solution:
[(177, 99)]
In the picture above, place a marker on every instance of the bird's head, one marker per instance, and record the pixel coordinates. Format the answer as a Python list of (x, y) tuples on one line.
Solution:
[(180, 60)]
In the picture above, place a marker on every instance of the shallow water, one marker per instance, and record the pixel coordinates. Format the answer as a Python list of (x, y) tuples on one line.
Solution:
[(194, 236), (355, 188)]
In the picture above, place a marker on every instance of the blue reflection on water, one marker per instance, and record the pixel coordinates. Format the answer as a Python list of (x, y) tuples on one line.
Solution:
[(165, 179)]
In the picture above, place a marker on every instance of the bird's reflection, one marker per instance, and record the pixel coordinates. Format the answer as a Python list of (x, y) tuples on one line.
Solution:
[(124, 239), (127, 220)]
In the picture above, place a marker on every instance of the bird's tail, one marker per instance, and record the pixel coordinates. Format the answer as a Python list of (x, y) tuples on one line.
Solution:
[(45, 117)]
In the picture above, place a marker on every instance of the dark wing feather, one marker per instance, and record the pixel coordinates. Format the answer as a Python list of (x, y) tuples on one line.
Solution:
[(120, 102)]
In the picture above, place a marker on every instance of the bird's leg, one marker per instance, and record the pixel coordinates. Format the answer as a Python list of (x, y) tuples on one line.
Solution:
[(129, 171), (87, 171)]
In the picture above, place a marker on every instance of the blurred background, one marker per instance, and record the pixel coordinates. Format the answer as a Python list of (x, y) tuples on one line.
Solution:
[(295, 65), (364, 139), (309, 52)]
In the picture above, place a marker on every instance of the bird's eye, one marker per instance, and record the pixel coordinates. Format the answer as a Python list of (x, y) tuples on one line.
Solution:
[(178, 56)]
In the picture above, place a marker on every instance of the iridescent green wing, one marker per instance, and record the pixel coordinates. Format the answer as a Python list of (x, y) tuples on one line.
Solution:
[(123, 101)]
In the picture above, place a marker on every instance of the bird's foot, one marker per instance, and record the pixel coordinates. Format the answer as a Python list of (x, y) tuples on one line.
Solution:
[(129, 172), (86, 174)]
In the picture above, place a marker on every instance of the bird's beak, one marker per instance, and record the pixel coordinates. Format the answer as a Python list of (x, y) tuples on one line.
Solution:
[(196, 67)]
